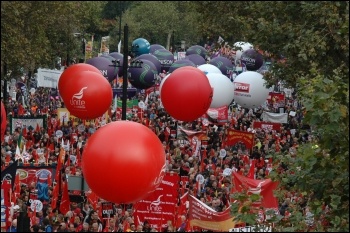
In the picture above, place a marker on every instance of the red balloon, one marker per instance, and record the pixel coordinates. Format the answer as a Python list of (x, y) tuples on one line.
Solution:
[(3, 121), (68, 73), (86, 94), (123, 161), (186, 94)]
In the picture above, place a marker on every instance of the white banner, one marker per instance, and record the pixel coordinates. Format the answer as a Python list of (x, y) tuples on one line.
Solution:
[(275, 117), (48, 78), (26, 122)]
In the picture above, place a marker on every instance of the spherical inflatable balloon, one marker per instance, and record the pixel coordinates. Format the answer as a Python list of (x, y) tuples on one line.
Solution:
[(165, 57), (252, 59), (240, 48), (197, 49), (142, 77), (180, 63), (196, 59), (186, 94), (224, 64), (223, 90), (3, 121), (162, 82), (123, 161), (249, 89), (208, 68), (120, 57), (86, 94), (152, 59), (155, 47), (105, 66), (140, 46), (70, 73)]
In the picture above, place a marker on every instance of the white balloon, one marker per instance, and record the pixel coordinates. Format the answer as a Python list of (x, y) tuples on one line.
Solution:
[(209, 68), (242, 46), (223, 90), (249, 89), (162, 82)]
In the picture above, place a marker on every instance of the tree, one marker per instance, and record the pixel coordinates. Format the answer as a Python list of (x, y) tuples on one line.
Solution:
[(313, 37), (156, 21)]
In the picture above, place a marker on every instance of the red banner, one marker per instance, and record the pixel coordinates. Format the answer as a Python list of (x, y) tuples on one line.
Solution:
[(5, 207), (201, 215), (263, 187), (160, 205), (27, 175), (277, 99), (218, 115), (235, 136), (267, 126)]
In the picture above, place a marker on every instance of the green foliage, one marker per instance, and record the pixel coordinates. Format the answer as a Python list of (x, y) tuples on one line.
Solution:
[(314, 39)]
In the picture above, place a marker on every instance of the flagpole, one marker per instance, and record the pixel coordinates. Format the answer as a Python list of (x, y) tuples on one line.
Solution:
[(125, 71)]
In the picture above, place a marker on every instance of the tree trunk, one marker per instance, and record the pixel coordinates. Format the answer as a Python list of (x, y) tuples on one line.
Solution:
[(168, 41)]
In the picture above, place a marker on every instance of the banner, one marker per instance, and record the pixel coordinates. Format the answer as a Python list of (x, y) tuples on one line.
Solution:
[(48, 78), (201, 215), (218, 115), (276, 99), (160, 205), (196, 142), (130, 105), (5, 203), (9, 173), (263, 187), (181, 55), (235, 136), (267, 126), (184, 136), (65, 117), (27, 122), (252, 229), (107, 210), (275, 117)]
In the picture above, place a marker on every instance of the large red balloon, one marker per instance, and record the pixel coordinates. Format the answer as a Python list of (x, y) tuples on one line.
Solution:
[(3, 121), (123, 161), (86, 94), (186, 94), (68, 73)]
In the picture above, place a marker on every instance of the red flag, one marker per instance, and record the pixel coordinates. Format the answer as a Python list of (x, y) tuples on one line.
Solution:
[(204, 156), (251, 173), (78, 158), (65, 203), (17, 186), (20, 110), (54, 196), (33, 217), (37, 129), (24, 131), (92, 198), (60, 161)]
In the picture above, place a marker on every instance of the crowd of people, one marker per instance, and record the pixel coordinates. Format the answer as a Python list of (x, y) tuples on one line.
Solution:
[(84, 217)]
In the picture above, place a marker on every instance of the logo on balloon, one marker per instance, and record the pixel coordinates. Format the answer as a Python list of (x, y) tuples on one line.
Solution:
[(146, 68), (219, 64), (76, 99), (160, 177), (242, 87)]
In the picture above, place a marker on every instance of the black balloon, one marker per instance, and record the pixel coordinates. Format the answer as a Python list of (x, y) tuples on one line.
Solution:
[(155, 47), (181, 63), (196, 59), (224, 64), (120, 57), (153, 59), (197, 49), (165, 57), (142, 77), (252, 59)]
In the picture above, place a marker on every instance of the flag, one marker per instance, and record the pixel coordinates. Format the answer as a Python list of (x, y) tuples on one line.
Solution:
[(54, 196), (251, 173), (33, 217), (220, 40), (65, 202), (9, 173), (18, 154), (60, 161), (17, 186), (119, 46), (92, 198), (20, 140)]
